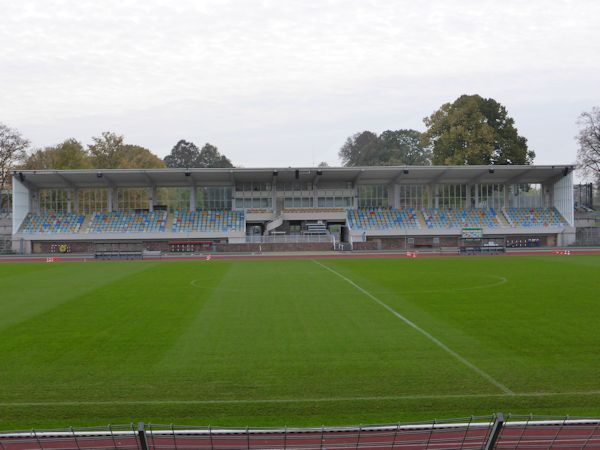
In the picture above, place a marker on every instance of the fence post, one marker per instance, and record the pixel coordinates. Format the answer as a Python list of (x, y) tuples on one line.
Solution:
[(75, 437), (142, 436), (495, 433)]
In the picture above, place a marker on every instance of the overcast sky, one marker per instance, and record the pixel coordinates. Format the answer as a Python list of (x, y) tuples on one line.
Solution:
[(280, 83)]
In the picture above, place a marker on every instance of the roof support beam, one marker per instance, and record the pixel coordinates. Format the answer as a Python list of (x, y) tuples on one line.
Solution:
[(148, 178), (519, 178), (66, 181), (477, 178), (438, 178), (358, 176)]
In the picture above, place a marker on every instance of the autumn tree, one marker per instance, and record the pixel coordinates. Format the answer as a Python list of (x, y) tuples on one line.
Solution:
[(13, 150), (67, 155), (475, 130), (109, 151)]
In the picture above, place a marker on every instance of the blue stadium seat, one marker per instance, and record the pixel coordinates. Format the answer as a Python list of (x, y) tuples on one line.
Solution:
[(51, 222), (382, 219), (207, 221)]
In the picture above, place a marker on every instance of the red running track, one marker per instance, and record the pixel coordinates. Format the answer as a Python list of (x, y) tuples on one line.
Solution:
[(296, 256)]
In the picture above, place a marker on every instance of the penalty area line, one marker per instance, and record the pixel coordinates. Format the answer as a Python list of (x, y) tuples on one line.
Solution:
[(425, 333)]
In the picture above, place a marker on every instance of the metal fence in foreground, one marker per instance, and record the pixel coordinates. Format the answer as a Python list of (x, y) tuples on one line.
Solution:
[(491, 432)]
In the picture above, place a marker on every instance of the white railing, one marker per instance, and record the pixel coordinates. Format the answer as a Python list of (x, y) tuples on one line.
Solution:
[(289, 239)]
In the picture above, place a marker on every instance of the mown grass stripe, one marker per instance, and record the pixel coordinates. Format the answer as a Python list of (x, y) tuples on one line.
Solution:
[(425, 333), (297, 400)]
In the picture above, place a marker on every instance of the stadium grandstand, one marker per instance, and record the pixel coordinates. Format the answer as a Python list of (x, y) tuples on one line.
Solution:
[(359, 208)]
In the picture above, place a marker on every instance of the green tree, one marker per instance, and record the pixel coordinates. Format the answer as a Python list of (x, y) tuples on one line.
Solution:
[(70, 154), (390, 148), (187, 154), (210, 157), (184, 154), (588, 154), (403, 147), (110, 152), (358, 150), (475, 130)]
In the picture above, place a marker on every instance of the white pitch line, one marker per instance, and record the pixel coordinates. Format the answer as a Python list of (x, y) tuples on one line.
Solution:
[(297, 400), (428, 335)]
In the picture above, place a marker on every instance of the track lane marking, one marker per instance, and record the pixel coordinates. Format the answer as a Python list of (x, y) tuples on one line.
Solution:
[(425, 333)]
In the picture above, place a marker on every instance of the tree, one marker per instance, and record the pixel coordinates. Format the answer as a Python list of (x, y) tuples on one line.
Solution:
[(323, 164), (184, 154), (357, 149), (12, 151), (210, 157), (403, 147), (475, 130), (136, 157), (70, 154), (110, 152), (588, 154), (106, 150), (391, 148)]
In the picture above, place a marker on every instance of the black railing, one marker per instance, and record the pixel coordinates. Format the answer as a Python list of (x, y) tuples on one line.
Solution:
[(490, 432)]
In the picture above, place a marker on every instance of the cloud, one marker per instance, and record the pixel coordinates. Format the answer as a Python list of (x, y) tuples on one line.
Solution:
[(269, 66)]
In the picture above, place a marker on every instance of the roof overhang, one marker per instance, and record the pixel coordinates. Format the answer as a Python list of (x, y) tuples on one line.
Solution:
[(81, 179)]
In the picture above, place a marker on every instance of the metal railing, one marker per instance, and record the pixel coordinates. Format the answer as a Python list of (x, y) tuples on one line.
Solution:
[(487, 432), (289, 238)]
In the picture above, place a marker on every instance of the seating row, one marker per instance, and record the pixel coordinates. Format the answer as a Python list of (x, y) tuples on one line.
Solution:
[(207, 220), (225, 220), (460, 218), (128, 222), (134, 222), (48, 222), (382, 219), (534, 217)]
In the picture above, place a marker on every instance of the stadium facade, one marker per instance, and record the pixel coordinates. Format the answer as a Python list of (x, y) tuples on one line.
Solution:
[(294, 208)]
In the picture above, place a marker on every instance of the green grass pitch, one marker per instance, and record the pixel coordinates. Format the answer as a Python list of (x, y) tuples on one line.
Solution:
[(298, 342)]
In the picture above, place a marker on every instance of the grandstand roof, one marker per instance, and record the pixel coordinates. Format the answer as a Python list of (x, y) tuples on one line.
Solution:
[(380, 174)]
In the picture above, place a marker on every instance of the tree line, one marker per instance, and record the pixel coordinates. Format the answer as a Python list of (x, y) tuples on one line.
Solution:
[(471, 130)]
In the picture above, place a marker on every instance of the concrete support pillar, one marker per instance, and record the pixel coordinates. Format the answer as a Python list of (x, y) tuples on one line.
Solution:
[(192, 198), (69, 200), (468, 196), (35, 200), (151, 197), (75, 203), (110, 202)]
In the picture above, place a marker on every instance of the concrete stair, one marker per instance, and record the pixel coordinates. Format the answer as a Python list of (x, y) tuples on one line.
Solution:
[(169, 223), (86, 223), (421, 219), (503, 218)]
